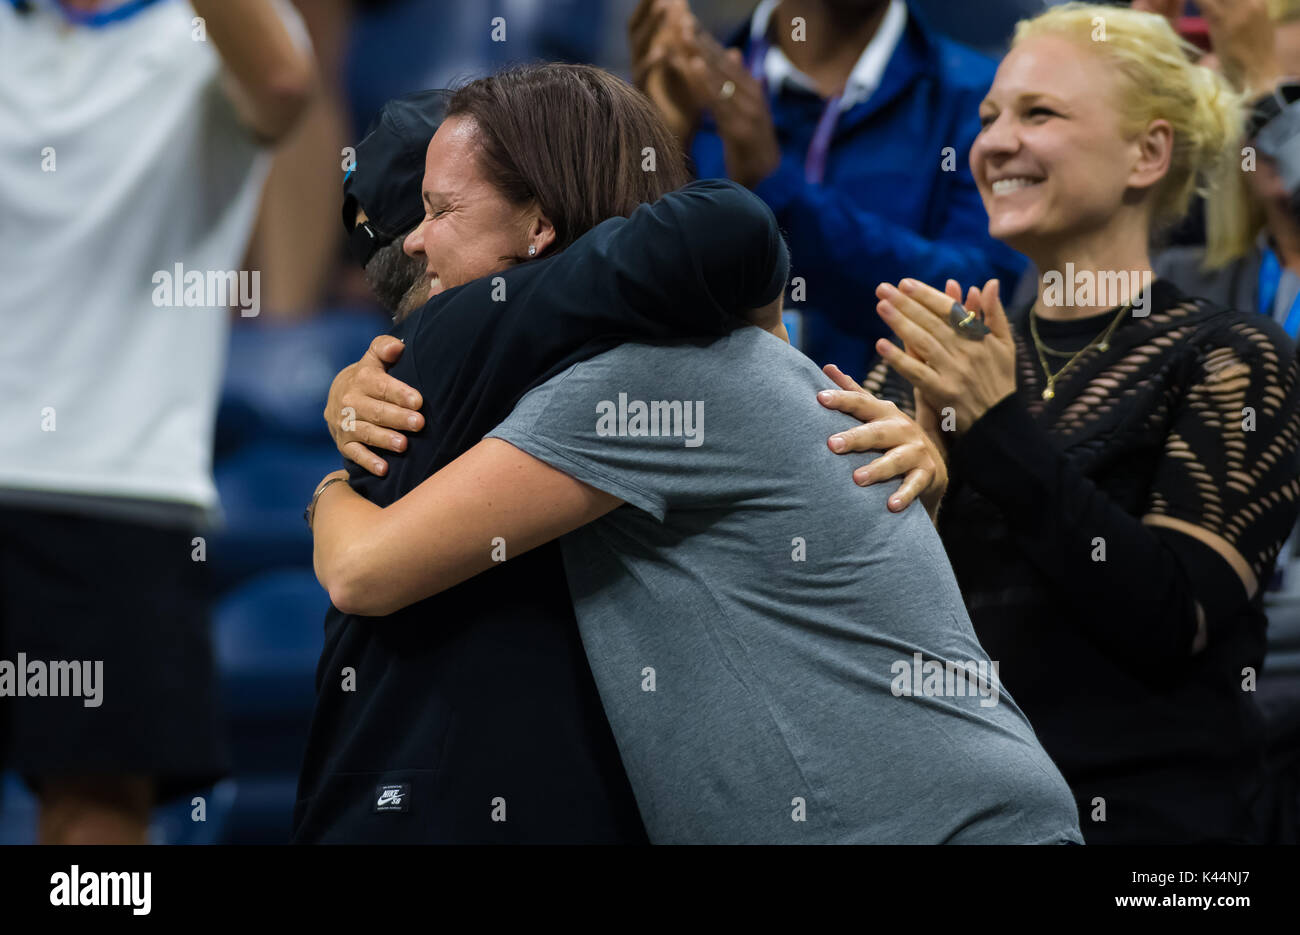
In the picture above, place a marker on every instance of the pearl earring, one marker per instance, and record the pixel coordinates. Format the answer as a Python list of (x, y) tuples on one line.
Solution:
[(532, 249)]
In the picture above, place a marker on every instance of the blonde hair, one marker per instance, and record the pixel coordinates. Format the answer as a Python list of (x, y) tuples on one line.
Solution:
[(1158, 80), (1233, 216), (1284, 11)]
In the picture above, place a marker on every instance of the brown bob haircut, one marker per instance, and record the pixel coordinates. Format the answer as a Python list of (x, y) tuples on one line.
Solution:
[(573, 139)]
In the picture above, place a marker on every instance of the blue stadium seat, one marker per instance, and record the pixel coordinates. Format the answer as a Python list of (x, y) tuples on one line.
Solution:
[(264, 487), (174, 823), (262, 811), (17, 810), (268, 635), (278, 375)]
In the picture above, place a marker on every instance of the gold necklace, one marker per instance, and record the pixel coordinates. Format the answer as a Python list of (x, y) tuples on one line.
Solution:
[(1055, 353), (1043, 350)]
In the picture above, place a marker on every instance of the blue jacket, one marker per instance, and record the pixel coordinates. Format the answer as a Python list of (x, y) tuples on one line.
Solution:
[(886, 209)]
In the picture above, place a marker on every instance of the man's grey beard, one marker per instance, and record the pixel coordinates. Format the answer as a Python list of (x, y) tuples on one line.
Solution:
[(397, 280)]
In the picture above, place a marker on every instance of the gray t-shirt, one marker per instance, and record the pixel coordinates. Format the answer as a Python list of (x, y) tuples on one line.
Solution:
[(781, 658)]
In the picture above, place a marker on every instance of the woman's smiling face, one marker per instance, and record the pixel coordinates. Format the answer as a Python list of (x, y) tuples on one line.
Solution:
[(469, 229), (1051, 160)]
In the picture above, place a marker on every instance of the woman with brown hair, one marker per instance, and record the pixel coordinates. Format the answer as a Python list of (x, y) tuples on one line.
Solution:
[(496, 700), (1123, 459), (733, 592)]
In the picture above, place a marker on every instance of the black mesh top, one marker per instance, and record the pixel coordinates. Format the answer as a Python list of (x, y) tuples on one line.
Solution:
[(1089, 531)]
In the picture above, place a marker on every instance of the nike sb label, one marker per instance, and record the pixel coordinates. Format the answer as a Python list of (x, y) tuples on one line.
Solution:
[(393, 798)]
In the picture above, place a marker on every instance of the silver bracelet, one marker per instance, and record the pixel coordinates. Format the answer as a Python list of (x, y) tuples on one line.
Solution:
[(309, 514)]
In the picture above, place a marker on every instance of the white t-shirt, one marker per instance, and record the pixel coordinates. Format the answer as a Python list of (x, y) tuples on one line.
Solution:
[(120, 157)]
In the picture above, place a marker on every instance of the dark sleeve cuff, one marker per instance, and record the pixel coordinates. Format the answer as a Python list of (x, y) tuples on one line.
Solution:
[(1007, 457), (1210, 579)]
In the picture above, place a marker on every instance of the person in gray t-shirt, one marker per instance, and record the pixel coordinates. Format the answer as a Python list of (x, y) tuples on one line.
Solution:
[(782, 659)]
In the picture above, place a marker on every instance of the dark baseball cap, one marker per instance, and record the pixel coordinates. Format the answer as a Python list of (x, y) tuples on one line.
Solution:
[(385, 180)]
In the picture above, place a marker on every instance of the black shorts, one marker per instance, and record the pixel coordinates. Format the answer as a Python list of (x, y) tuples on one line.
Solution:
[(92, 591)]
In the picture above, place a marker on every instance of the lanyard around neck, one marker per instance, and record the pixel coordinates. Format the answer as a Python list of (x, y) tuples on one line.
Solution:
[(814, 164)]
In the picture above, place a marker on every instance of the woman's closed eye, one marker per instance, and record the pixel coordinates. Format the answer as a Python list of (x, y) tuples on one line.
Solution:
[(1035, 114)]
